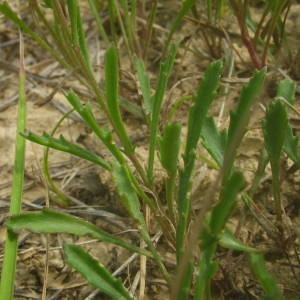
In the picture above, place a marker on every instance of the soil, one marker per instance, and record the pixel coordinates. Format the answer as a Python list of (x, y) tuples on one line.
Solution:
[(40, 259)]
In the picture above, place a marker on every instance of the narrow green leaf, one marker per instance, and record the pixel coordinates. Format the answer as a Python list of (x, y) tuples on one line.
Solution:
[(82, 40), (185, 285), (86, 113), (55, 222), (266, 279), (132, 108), (73, 13), (127, 192), (144, 85), (240, 118), (275, 128), (207, 266), (111, 91), (213, 140), (205, 95), (63, 145), (291, 145), (95, 273), (169, 147), (10, 14), (207, 91), (96, 16), (164, 73), (287, 89), (223, 209), (229, 241), (185, 7)]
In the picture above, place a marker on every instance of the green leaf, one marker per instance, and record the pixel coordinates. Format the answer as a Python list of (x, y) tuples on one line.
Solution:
[(223, 209), (73, 13), (207, 91), (164, 73), (291, 145), (275, 127), (184, 291), (127, 192), (86, 113), (185, 7), (205, 95), (286, 89), (207, 266), (266, 279), (240, 118), (132, 108), (144, 85), (229, 241), (63, 145), (55, 222), (213, 140), (169, 147), (95, 273), (111, 91)]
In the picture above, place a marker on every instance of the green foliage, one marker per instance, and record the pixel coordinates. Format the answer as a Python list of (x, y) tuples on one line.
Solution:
[(164, 73), (134, 179), (205, 95), (266, 279), (95, 273), (275, 127), (62, 144), (169, 148), (11, 241), (144, 83), (111, 93), (55, 222), (213, 140)]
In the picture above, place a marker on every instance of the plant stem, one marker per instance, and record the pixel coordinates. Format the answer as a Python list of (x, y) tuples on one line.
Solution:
[(11, 244), (257, 61)]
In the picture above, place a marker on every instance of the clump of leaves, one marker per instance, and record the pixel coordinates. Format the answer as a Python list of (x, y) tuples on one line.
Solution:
[(203, 234)]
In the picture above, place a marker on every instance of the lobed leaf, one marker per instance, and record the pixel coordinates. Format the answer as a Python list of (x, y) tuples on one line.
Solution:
[(213, 140), (291, 146), (86, 113), (95, 273), (62, 144)]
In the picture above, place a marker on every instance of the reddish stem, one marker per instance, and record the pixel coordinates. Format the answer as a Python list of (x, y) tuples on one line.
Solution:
[(246, 39)]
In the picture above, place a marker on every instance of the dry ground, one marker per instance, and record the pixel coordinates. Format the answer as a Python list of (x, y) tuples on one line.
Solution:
[(91, 188)]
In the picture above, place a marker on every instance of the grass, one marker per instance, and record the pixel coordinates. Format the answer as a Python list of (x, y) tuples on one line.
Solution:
[(194, 236)]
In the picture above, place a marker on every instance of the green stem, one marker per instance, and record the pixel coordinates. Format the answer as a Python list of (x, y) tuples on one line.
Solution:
[(11, 244), (170, 197)]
